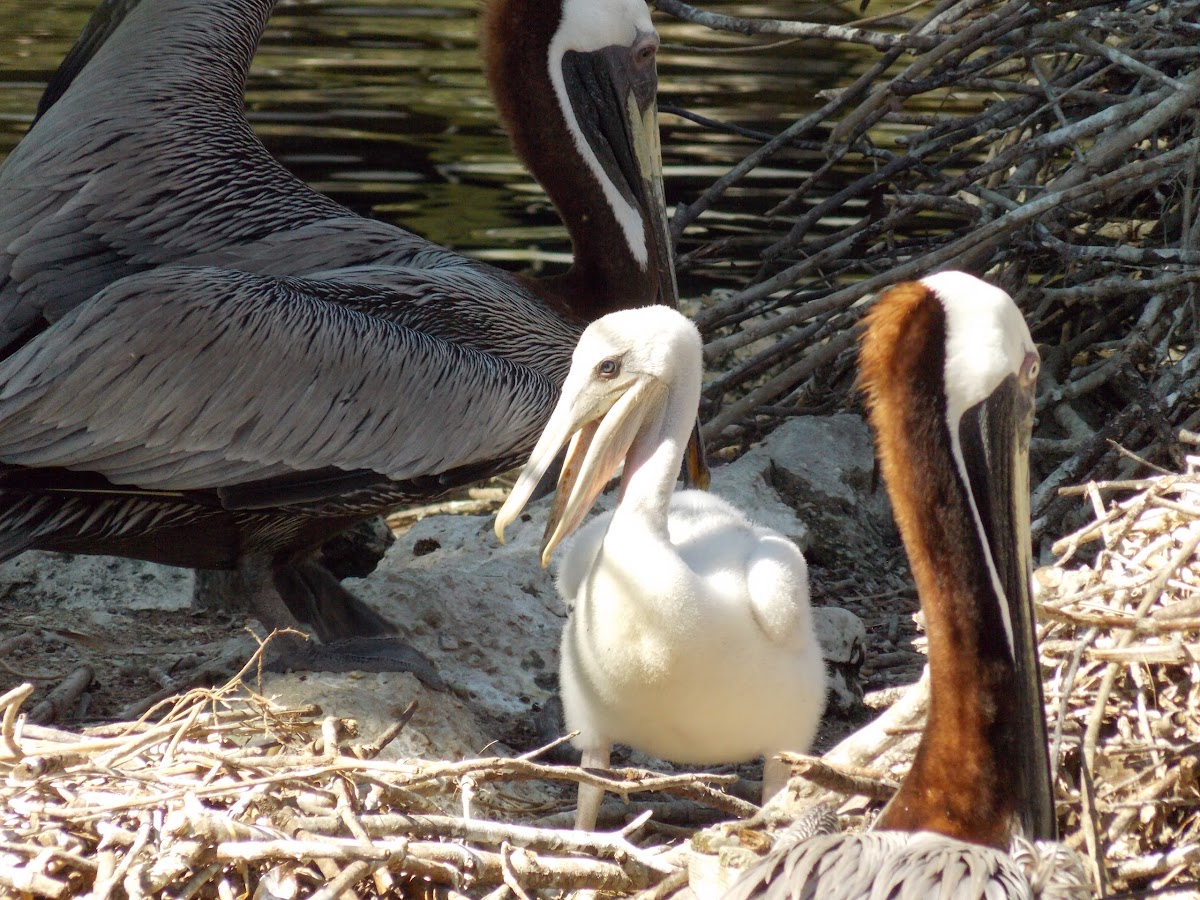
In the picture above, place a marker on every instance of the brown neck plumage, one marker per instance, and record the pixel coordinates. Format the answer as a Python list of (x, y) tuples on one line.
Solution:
[(957, 784), (605, 276)]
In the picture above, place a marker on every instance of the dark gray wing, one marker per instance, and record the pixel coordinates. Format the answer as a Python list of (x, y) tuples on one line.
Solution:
[(147, 159), (189, 378), (468, 303), (87, 197)]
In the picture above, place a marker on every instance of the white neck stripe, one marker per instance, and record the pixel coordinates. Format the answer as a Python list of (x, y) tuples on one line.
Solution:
[(583, 28)]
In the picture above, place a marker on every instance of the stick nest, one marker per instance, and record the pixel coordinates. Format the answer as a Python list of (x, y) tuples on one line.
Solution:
[(219, 794), (1122, 639)]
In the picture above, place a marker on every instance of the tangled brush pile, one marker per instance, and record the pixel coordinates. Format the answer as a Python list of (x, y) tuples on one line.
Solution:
[(1052, 146)]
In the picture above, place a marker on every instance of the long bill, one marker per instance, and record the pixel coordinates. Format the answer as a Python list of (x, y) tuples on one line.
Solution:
[(623, 134), (601, 427), (644, 136), (613, 98), (994, 437)]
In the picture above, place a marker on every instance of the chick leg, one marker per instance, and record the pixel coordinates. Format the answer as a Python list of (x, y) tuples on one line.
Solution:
[(587, 806), (775, 776)]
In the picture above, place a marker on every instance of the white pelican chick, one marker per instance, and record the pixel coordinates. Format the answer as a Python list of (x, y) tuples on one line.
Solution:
[(690, 636)]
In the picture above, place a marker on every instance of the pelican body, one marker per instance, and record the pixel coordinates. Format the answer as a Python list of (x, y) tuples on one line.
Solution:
[(204, 362), (690, 635), (948, 368)]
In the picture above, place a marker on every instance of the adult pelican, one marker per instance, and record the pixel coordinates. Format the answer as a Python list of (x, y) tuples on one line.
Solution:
[(948, 367), (690, 635), (206, 363)]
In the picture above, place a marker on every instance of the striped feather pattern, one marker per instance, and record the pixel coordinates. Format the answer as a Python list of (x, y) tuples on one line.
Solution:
[(191, 336), (261, 408), (184, 379), (148, 160), (895, 865)]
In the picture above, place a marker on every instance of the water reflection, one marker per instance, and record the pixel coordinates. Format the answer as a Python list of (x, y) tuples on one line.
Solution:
[(381, 104)]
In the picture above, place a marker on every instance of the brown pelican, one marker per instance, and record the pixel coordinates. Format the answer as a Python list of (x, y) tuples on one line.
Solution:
[(204, 362), (948, 370), (691, 635)]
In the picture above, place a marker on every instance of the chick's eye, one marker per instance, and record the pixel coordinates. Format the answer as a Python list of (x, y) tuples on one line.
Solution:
[(608, 368)]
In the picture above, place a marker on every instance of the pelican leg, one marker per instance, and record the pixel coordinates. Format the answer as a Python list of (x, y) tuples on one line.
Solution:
[(287, 596), (301, 594), (587, 805), (249, 588), (387, 653), (775, 776), (357, 551), (314, 596)]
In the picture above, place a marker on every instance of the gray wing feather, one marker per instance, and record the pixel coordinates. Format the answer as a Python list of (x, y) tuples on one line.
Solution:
[(187, 378), (883, 865), (147, 159), (463, 301)]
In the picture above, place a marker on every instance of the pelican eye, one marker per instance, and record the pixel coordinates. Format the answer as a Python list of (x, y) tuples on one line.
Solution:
[(645, 49), (1030, 366), (608, 368)]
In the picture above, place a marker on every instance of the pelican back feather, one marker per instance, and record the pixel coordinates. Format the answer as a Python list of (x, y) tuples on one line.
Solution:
[(180, 379), (883, 865)]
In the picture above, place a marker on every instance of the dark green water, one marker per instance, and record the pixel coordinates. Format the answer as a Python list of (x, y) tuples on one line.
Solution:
[(381, 104)]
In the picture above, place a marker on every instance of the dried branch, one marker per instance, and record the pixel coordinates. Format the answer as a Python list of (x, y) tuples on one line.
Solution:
[(877, 39), (1063, 165)]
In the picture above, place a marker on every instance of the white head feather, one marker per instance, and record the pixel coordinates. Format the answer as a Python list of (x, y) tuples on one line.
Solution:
[(986, 339)]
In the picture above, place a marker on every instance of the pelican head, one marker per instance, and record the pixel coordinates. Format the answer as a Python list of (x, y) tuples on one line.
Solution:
[(576, 81), (992, 367), (990, 372), (627, 369), (948, 368)]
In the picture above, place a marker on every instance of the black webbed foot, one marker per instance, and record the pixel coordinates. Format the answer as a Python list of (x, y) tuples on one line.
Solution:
[(386, 653)]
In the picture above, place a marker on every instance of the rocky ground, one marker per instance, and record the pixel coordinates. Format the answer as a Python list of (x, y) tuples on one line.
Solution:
[(487, 615)]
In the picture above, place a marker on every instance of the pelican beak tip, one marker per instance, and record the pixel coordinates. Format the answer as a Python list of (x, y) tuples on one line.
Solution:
[(500, 525)]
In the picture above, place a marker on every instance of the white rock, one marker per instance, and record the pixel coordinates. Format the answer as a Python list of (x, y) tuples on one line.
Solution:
[(100, 583), (842, 635), (443, 727), (747, 483), (819, 458), (448, 576), (822, 467), (843, 638)]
